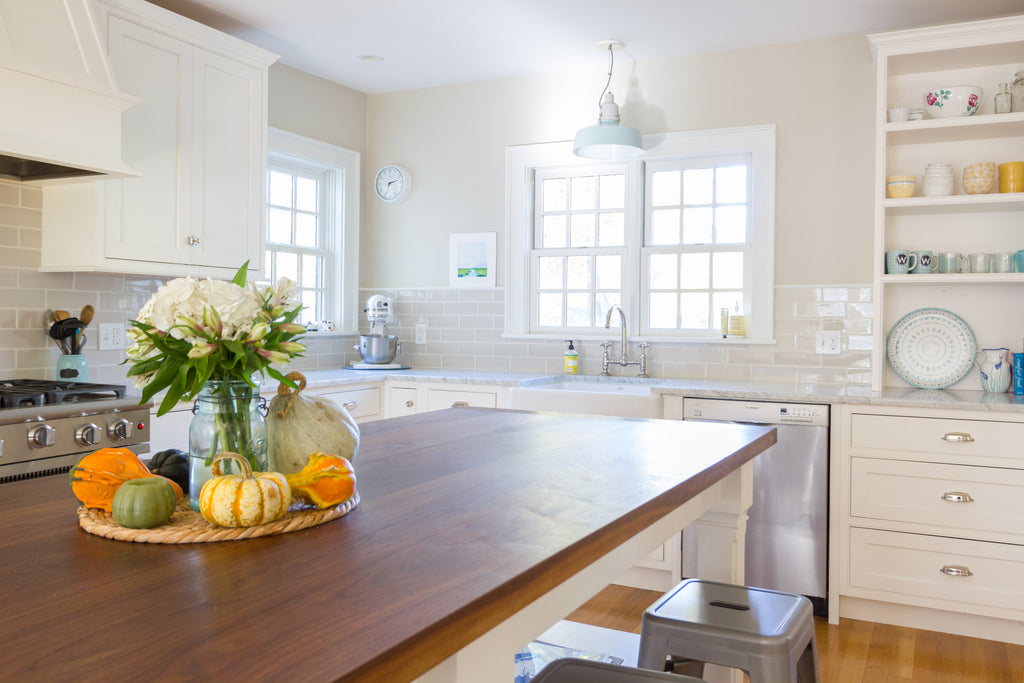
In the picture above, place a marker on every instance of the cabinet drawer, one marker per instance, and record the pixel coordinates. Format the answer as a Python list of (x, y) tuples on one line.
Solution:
[(439, 399), (401, 401), (925, 435), (927, 493), (360, 403), (912, 564)]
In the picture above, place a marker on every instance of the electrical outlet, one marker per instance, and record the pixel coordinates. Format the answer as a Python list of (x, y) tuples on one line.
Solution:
[(421, 332), (111, 337), (828, 342)]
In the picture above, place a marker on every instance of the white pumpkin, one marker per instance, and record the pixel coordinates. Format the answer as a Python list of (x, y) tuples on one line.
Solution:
[(299, 425)]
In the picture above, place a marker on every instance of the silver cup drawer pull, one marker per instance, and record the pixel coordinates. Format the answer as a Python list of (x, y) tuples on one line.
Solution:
[(957, 437), (957, 497), (460, 404), (350, 405), (956, 570)]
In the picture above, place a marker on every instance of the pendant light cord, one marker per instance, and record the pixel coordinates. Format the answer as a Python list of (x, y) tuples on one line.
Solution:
[(611, 65)]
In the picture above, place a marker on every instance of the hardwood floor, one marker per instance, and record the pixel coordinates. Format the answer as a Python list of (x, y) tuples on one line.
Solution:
[(854, 651)]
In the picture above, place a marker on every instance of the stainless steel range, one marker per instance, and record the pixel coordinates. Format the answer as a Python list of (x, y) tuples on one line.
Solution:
[(46, 427)]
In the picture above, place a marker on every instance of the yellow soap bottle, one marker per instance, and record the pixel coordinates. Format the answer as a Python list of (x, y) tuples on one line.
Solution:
[(572, 359)]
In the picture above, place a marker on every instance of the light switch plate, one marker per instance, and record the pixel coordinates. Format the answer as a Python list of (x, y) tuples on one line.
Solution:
[(828, 342)]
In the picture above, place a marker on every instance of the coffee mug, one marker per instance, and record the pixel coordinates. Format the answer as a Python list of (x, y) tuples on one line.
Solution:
[(1003, 263), (899, 261), (899, 113), (950, 262), (924, 263), (979, 263)]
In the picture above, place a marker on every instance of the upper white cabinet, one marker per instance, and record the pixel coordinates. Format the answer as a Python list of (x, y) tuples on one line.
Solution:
[(911, 63), (199, 141)]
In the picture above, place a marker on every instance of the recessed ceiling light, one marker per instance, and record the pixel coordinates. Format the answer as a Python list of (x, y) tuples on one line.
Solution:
[(371, 58)]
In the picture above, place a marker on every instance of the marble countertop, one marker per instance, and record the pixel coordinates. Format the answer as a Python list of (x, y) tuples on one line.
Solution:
[(764, 391)]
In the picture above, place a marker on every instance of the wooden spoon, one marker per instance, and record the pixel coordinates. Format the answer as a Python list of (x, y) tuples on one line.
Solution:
[(61, 315), (85, 317)]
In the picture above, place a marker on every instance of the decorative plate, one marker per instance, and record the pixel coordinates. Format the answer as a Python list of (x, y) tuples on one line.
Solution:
[(931, 348)]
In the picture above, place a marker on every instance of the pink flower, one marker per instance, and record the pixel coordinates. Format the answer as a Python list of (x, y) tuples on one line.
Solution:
[(931, 98), (972, 101)]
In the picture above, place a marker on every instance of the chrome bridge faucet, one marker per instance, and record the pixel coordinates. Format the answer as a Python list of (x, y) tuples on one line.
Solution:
[(624, 360)]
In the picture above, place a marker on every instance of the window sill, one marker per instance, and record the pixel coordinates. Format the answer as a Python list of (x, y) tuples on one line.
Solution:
[(615, 335)]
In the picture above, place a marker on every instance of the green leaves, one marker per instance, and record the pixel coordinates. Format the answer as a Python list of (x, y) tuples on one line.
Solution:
[(183, 366)]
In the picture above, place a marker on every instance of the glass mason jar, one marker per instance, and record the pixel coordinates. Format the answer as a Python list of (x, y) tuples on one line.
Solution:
[(228, 416)]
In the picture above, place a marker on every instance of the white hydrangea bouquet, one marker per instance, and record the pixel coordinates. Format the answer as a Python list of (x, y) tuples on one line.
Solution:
[(195, 330)]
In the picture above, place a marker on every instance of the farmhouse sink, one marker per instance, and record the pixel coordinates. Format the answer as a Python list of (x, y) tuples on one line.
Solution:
[(591, 396)]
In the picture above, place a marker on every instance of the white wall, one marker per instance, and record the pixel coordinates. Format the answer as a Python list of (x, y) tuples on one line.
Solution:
[(819, 94), (307, 105)]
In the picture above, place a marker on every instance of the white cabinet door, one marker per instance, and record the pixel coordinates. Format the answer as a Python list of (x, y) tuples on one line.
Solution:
[(227, 179), (145, 216)]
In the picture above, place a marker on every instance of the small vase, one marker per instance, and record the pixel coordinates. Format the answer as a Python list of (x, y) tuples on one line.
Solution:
[(228, 417)]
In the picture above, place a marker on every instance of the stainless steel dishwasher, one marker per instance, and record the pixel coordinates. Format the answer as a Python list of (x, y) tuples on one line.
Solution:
[(787, 532)]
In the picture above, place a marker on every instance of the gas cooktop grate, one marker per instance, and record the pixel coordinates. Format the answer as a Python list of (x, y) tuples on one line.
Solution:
[(23, 393)]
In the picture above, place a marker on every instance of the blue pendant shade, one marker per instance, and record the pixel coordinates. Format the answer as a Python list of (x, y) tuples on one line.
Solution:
[(608, 140)]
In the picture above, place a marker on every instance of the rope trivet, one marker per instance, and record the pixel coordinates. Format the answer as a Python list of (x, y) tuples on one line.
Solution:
[(188, 526)]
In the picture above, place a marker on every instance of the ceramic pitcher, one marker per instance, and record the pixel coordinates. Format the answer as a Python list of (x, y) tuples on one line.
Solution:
[(995, 370)]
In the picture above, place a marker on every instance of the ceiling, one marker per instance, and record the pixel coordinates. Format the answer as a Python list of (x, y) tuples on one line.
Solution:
[(425, 43)]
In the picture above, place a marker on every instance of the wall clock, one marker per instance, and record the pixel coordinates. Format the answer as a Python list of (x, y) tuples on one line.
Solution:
[(393, 184)]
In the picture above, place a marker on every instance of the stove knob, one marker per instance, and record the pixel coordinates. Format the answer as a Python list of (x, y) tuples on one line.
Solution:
[(88, 434), (119, 430), (42, 436)]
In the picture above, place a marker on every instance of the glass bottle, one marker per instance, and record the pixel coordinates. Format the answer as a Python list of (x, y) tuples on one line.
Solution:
[(1017, 93), (1002, 100), (228, 417)]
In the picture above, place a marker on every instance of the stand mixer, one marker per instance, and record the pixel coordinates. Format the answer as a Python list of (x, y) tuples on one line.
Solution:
[(378, 348)]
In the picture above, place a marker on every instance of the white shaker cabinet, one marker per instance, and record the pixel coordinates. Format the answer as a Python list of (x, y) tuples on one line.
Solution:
[(199, 141), (931, 530)]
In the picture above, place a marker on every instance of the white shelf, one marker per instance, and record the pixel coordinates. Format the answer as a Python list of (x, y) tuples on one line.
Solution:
[(962, 128), (993, 201), (954, 279)]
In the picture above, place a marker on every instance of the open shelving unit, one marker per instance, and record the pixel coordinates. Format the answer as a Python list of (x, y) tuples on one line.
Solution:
[(910, 63)]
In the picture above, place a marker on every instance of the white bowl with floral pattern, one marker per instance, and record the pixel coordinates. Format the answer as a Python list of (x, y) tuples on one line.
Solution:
[(953, 101)]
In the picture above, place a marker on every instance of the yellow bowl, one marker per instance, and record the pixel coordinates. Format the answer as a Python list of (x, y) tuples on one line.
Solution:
[(900, 189), (1011, 168), (978, 185), (982, 169), (901, 178), (1011, 185)]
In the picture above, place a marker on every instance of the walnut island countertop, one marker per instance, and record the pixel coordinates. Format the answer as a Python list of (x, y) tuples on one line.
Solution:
[(467, 516)]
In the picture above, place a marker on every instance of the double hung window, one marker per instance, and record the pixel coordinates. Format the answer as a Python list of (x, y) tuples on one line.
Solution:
[(673, 238)]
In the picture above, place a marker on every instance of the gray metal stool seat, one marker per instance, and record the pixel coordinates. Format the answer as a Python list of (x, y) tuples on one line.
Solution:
[(585, 671), (767, 634)]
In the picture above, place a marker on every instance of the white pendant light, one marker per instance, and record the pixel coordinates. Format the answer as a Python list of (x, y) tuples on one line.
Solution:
[(608, 140)]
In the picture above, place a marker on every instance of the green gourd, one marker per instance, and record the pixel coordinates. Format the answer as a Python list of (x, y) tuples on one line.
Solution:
[(173, 464), (299, 425), (143, 503)]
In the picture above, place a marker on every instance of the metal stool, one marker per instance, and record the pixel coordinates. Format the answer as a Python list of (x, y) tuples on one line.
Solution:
[(585, 671), (767, 634)]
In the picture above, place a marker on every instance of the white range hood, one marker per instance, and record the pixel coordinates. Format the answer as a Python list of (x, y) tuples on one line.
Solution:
[(61, 111)]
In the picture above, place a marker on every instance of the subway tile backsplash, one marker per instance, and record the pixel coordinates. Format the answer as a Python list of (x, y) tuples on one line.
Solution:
[(464, 327), (464, 331)]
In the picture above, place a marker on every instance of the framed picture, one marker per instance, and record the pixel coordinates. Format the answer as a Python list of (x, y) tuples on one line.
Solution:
[(471, 259)]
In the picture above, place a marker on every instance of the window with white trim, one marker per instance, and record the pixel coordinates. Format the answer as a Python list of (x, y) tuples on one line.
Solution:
[(672, 237), (312, 226)]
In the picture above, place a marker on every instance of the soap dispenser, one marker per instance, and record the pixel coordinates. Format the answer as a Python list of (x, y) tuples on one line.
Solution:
[(572, 359)]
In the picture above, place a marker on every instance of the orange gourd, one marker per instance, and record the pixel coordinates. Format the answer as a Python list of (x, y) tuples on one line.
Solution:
[(326, 480), (97, 476)]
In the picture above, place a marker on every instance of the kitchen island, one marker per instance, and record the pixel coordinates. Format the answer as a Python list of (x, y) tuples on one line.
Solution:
[(477, 530)]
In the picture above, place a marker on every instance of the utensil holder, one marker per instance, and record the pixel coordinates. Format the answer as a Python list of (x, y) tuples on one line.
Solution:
[(73, 368)]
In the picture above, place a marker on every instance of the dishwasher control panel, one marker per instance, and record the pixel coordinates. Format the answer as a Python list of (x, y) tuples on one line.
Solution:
[(766, 412)]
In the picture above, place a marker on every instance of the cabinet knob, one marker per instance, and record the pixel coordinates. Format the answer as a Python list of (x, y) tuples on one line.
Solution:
[(409, 404), (460, 404), (957, 437), (957, 497), (193, 241), (956, 570), (350, 405)]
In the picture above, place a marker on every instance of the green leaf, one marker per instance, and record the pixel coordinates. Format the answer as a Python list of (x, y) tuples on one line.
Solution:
[(242, 275)]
